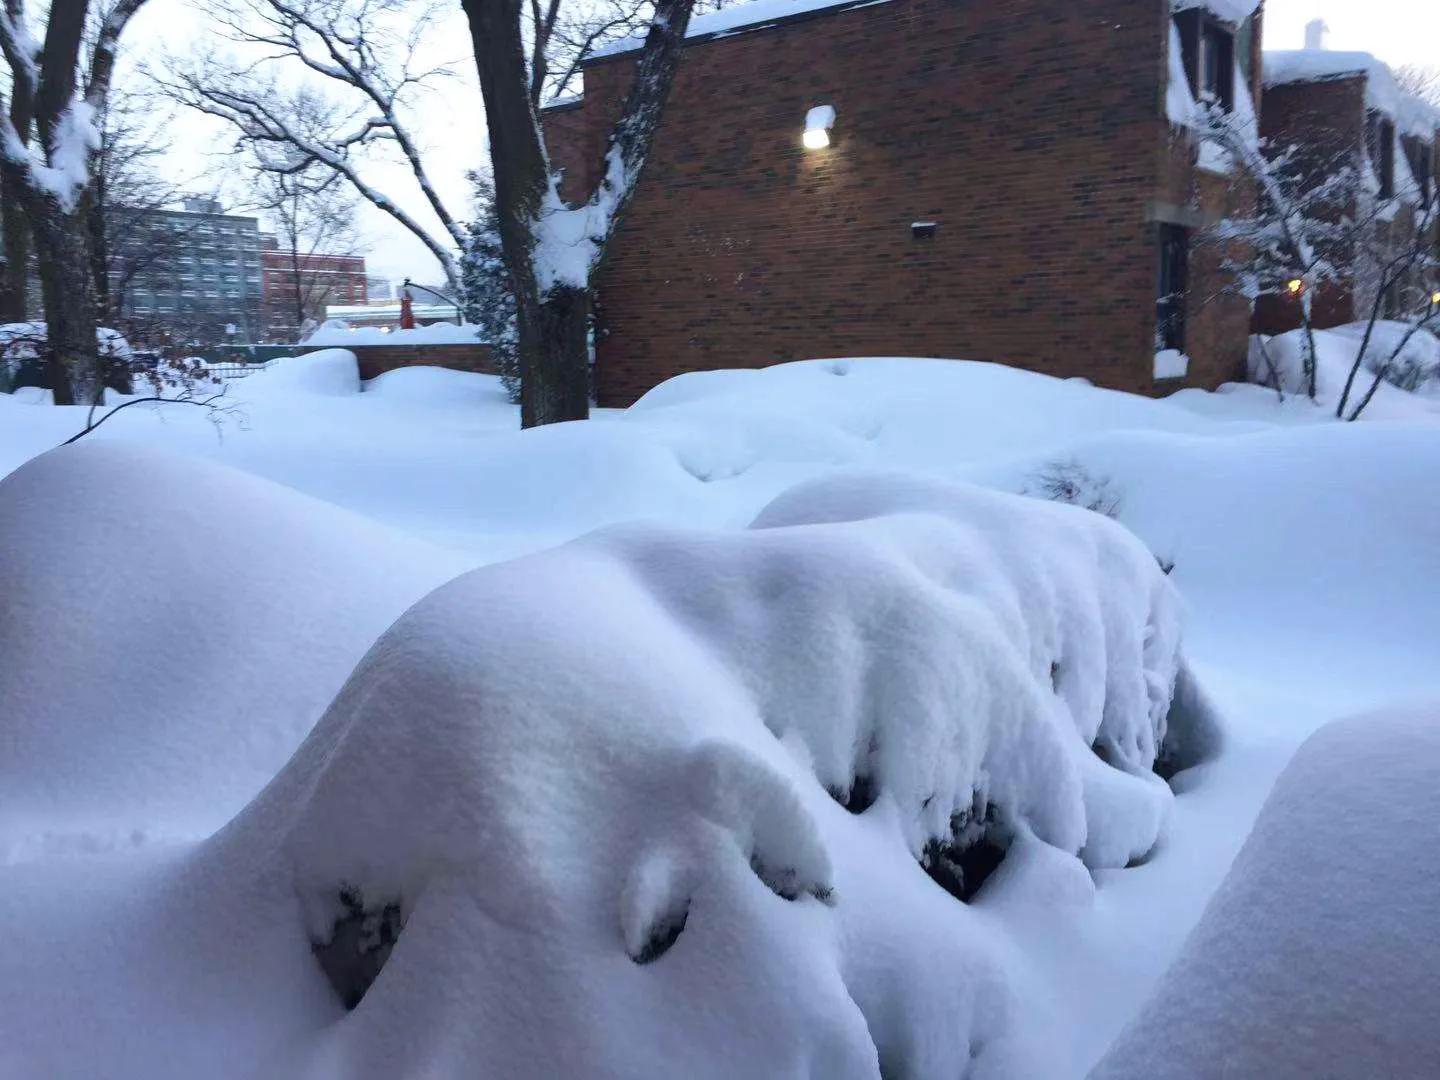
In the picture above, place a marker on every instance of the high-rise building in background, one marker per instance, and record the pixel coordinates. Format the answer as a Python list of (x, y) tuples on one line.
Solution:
[(192, 274)]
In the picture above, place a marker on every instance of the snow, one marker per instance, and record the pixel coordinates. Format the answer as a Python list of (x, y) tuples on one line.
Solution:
[(785, 556), (340, 335), (1171, 364), (1231, 11), (1317, 956), (1411, 390), (1413, 116), (171, 631), (756, 15)]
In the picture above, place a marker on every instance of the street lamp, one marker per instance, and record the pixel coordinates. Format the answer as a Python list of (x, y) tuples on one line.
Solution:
[(459, 315)]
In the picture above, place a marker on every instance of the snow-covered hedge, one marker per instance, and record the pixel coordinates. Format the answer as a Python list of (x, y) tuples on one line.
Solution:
[(661, 802)]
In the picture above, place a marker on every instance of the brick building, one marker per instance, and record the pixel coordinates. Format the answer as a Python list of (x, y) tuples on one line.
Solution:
[(1344, 109), (299, 287), (1001, 180)]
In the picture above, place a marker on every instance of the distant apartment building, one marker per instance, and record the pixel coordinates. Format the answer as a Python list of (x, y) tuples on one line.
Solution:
[(298, 288), (1013, 182), (1344, 110), (195, 273)]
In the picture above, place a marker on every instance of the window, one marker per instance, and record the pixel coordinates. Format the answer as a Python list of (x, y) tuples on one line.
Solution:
[(1208, 51), (1420, 154), (1170, 290), (1217, 66), (1380, 142)]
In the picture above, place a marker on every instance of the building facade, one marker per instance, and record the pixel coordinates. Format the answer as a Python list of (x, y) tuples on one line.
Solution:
[(1339, 111), (194, 272), (298, 288), (996, 181)]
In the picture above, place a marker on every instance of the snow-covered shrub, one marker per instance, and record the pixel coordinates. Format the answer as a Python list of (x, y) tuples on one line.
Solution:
[(604, 786), (170, 631), (1277, 362), (1070, 482), (1408, 364), (489, 296)]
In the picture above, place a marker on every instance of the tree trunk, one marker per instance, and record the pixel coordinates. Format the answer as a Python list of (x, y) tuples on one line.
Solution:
[(62, 244), (555, 357), (15, 260)]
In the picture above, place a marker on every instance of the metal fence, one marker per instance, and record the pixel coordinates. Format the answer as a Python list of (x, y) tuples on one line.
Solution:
[(237, 371)]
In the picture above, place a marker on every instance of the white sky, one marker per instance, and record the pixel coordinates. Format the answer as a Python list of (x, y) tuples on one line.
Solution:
[(452, 125)]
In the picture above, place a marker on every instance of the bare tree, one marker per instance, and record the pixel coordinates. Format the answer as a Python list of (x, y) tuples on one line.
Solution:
[(552, 250), (1421, 82), (1409, 281), (313, 218), (361, 57), (54, 170)]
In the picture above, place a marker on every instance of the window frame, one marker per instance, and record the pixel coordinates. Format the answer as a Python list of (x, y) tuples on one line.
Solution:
[(1172, 285)]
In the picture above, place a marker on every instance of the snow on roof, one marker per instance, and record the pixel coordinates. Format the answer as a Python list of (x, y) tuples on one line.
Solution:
[(757, 15), (1413, 116), (1233, 11)]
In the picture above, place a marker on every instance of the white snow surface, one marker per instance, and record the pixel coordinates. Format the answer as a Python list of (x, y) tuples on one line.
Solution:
[(738, 18), (1413, 116), (1232, 11), (335, 333), (1308, 554), (1414, 363), (1317, 957), (549, 761)]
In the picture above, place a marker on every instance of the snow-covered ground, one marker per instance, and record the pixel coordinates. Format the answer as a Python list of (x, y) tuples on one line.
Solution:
[(184, 601)]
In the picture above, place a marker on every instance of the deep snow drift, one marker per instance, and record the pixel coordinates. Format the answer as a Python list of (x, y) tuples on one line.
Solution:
[(618, 791), (1308, 554), (170, 632), (1318, 955)]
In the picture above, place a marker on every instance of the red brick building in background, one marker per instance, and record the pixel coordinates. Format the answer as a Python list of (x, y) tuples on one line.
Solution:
[(1002, 181), (299, 287), (1344, 109)]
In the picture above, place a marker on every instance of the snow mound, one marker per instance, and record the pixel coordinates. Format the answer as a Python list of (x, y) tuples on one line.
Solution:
[(171, 630), (661, 802), (327, 373), (336, 333), (438, 387), (1407, 383), (1317, 957)]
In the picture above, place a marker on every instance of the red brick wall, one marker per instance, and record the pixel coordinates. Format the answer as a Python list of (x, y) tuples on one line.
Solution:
[(377, 359), (1326, 120), (1032, 131)]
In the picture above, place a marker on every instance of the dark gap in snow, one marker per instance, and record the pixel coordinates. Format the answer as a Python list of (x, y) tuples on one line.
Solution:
[(975, 849), (663, 934), (360, 943), (860, 797), (786, 883), (1192, 733)]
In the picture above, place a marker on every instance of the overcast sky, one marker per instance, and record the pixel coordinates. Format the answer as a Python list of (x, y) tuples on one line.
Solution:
[(452, 124)]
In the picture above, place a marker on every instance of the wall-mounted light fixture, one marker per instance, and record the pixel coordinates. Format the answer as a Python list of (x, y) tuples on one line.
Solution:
[(1296, 287), (818, 122)]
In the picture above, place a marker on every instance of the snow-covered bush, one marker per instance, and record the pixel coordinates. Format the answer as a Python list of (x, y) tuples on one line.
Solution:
[(1070, 482), (1278, 362), (489, 295), (170, 631), (623, 788), (1404, 357)]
